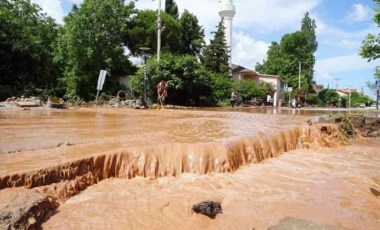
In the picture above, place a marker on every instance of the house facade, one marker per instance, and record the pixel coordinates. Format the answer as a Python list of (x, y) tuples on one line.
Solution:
[(241, 73)]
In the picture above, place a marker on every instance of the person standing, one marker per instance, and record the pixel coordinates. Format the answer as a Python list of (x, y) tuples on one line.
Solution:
[(162, 93)]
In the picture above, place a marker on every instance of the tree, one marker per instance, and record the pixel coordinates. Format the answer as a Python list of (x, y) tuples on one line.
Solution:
[(92, 39), (308, 27), (249, 89), (192, 34), (142, 32), (189, 82), (328, 97), (357, 99), (222, 86), (171, 8), (294, 48), (215, 55), (26, 45), (370, 49)]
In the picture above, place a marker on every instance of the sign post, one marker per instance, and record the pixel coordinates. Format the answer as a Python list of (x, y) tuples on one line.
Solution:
[(101, 79)]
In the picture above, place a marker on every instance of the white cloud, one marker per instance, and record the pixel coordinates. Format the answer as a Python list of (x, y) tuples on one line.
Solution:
[(247, 51), (337, 37), (76, 1), (330, 66), (325, 76), (52, 8), (349, 44), (272, 15), (260, 15), (360, 13)]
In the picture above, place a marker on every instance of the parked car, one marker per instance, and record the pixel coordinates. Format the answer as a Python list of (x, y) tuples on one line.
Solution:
[(362, 105)]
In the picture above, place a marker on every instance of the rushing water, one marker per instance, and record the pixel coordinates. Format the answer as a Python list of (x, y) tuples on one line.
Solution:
[(327, 186), (61, 153)]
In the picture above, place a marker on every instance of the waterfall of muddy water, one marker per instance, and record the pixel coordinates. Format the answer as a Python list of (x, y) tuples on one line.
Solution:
[(330, 186), (61, 153)]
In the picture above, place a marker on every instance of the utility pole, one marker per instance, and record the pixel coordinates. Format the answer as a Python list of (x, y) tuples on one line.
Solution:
[(159, 30), (299, 75), (337, 79), (145, 55), (349, 95)]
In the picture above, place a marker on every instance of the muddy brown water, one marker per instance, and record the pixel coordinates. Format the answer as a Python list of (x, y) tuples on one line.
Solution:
[(57, 136), (326, 185)]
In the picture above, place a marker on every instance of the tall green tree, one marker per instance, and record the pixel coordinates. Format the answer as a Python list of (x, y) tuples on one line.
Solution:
[(294, 48), (26, 46), (171, 8), (370, 49), (215, 55), (189, 82), (142, 32), (92, 39), (308, 27), (192, 34)]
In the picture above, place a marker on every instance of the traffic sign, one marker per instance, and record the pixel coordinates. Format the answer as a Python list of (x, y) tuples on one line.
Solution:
[(102, 77), (377, 82)]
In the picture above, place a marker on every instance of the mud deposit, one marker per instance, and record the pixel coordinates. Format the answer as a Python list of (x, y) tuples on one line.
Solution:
[(129, 169)]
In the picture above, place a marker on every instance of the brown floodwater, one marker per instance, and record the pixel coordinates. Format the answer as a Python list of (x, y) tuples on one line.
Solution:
[(330, 186), (130, 169), (53, 137)]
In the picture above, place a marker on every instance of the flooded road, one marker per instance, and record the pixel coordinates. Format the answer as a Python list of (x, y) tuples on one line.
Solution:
[(130, 169), (57, 136)]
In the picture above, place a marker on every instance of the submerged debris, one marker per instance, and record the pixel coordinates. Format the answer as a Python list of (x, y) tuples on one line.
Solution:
[(208, 208), (347, 128), (352, 126), (118, 103), (367, 126)]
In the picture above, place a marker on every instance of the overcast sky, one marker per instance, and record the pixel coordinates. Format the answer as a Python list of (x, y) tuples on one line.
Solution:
[(341, 27)]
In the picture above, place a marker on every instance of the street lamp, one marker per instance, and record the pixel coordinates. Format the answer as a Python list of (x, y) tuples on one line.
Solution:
[(145, 55)]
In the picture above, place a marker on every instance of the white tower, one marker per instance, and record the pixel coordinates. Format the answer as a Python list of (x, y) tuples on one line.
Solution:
[(227, 12)]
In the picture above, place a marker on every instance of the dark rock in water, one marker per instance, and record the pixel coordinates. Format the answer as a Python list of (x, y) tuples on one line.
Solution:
[(290, 223), (208, 208), (375, 192)]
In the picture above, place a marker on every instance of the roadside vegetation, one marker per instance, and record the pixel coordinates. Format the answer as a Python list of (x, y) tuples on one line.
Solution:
[(40, 57)]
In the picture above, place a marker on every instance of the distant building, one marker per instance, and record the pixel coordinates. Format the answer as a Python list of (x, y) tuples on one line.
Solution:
[(345, 92), (341, 94), (318, 88), (348, 91), (242, 73)]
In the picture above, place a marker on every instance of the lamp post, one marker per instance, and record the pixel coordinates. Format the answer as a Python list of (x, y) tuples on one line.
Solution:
[(349, 95), (145, 55), (159, 31)]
